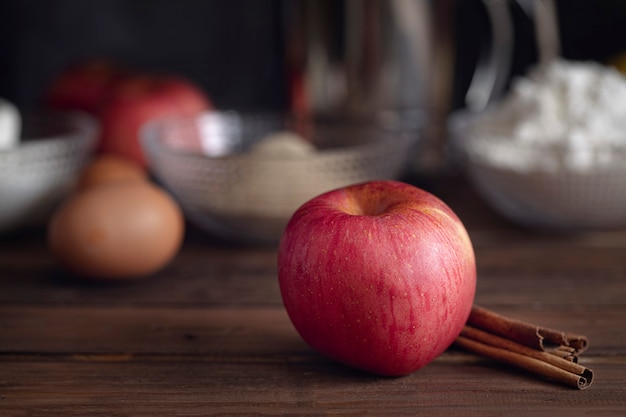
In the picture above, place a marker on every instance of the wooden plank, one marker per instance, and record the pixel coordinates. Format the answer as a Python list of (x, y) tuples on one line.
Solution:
[(577, 290), (201, 274), (551, 254), (443, 388), (525, 286), (129, 330), (258, 332), (540, 271)]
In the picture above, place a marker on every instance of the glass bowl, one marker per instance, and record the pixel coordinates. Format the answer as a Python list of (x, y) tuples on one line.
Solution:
[(545, 186), (226, 186), (43, 168)]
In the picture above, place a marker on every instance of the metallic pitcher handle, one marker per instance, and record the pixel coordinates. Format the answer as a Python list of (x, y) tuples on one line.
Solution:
[(494, 65)]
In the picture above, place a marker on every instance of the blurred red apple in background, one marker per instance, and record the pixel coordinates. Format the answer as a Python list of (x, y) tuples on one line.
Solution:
[(123, 101), (85, 85), (141, 98), (379, 276)]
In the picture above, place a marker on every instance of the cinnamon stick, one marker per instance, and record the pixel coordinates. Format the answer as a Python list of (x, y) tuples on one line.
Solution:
[(527, 334), (526, 346)]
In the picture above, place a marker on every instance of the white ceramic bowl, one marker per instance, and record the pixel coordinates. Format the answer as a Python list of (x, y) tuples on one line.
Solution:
[(38, 173), (541, 187), (225, 188)]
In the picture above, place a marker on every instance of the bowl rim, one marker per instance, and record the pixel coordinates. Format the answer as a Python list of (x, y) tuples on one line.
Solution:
[(77, 127), (404, 136)]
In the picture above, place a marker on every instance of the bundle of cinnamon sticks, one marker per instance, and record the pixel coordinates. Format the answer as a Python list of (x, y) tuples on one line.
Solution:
[(547, 353)]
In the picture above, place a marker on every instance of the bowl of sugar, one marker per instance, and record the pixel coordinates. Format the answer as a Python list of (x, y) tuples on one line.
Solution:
[(550, 154)]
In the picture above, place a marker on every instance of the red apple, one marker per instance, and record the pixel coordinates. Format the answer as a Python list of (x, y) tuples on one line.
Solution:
[(84, 86), (379, 276), (139, 99)]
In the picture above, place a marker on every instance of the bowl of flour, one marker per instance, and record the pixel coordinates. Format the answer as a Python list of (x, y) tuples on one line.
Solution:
[(552, 152), (240, 176)]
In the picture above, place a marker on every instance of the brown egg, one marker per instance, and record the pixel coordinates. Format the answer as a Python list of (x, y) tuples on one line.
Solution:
[(111, 168), (117, 231)]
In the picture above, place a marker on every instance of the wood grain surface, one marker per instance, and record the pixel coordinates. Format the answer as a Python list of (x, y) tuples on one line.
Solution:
[(208, 335)]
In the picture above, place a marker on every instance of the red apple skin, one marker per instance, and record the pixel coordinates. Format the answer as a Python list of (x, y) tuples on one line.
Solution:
[(136, 100), (85, 86), (379, 276)]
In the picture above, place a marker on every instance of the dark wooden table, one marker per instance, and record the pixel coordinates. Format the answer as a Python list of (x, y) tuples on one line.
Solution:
[(209, 336)]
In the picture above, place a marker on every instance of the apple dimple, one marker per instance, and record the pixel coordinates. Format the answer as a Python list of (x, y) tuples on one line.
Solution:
[(376, 200), (372, 199), (362, 206)]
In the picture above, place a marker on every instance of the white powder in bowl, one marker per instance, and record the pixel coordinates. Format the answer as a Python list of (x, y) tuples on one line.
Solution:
[(566, 115), (283, 144), (271, 179)]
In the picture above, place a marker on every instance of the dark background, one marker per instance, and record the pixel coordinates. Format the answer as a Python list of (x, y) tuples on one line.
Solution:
[(235, 49), (230, 48)]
